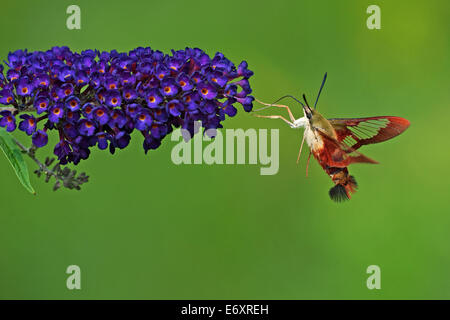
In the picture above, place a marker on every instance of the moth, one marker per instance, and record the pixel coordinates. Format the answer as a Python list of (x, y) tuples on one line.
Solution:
[(335, 142)]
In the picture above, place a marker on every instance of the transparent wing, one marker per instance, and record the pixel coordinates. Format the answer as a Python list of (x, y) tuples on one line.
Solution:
[(356, 132), (338, 154)]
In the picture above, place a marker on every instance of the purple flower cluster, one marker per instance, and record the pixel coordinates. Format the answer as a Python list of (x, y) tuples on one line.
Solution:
[(98, 98)]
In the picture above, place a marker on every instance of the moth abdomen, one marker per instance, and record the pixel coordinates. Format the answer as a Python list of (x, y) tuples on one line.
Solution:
[(345, 184)]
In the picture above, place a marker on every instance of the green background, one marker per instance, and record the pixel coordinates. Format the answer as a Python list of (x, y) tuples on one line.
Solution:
[(144, 228)]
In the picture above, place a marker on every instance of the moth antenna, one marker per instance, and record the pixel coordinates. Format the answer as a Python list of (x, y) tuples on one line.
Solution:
[(320, 90), (289, 96), (304, 98), (278, 100)]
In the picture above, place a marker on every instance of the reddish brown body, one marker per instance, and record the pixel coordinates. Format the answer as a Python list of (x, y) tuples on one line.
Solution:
[(339, 175), (333, 143)]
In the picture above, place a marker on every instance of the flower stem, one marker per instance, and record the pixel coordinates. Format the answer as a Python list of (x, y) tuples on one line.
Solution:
[(31, 153), (18, 109), (12, 109)]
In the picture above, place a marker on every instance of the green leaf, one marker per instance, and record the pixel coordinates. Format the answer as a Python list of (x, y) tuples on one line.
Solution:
[(14, 155), (84, 88)]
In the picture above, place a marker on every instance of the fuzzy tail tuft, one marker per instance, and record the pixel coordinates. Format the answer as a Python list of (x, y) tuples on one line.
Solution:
[(351, 185), (342, 191), (338, 193)]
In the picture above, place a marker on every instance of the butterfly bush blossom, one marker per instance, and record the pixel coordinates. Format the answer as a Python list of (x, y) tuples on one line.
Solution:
[(98, 99)]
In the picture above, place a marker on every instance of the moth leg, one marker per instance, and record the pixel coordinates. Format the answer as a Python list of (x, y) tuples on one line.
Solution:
[(300, 150), (307, 164), (291, 116), (275, 117)]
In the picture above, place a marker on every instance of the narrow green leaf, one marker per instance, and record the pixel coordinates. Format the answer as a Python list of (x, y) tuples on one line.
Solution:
[(84, 88), (14, 156)]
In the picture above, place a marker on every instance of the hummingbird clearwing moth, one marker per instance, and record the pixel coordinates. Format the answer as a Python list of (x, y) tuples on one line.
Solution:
[(334, 142)]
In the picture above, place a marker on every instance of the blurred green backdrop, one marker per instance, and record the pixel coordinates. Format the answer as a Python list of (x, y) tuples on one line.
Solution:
[(146, 228)]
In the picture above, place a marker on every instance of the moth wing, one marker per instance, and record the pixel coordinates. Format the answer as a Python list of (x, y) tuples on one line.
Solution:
[(339, 154), (356, 132)]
